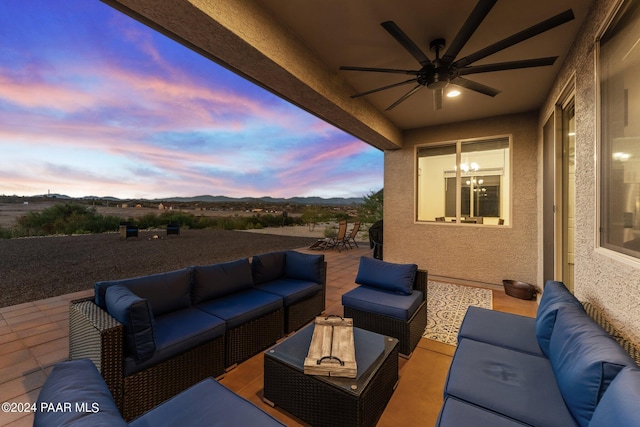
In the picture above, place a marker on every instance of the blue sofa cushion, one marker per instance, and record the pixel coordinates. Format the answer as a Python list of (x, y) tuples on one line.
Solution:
[(387, 276), (268, 267), (166, 292), (189, 409), (222, 279), (619, 404), (390, 304), (585, 360), (456, 413), (242, 307), (291, 290), (307, 267), (555, 295), (511, 383), (135, 315), (176, 333), (499, 328), (76, 382)]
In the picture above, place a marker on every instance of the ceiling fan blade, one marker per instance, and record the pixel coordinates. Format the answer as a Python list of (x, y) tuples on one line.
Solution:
[(511, 65), (539, 28), (404, 97), (437, 99), (471, 24), (379, 70), (406, 42), (384, 88), (475, 86)]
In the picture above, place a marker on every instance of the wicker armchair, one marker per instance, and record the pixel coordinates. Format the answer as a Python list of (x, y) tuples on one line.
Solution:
[(408, 332)]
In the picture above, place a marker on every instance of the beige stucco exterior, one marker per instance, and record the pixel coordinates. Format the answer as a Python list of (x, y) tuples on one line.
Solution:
[(608, 280), (474, 253)]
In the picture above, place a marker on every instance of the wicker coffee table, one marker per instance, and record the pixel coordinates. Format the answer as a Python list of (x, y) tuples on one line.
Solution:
[(332, 401)]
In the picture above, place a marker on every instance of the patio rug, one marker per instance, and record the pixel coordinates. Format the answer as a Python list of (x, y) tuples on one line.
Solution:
[(446, 306)]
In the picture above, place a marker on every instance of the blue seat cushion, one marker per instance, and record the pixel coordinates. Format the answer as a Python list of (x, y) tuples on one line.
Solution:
[(456, 413), (499, 328), (619, 404), (291, 290), (511, 383), (585, 360), (76, 382), (176, 333), (387, 276), (268, 267), (377, 301), (213, 281), (306, 267), (166, 292), (242, 307), (135, 315), (205, 404), (555, 296)]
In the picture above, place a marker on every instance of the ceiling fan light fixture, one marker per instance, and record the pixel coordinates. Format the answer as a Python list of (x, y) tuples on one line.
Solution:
[(453, 93)]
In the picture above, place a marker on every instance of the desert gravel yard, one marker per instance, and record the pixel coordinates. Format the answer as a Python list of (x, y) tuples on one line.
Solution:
[(43, 267)]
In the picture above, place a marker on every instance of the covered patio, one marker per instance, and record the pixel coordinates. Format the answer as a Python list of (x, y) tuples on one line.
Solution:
[(35, 335)]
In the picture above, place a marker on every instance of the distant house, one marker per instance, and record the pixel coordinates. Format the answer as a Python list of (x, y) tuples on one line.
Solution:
[(161, 207)]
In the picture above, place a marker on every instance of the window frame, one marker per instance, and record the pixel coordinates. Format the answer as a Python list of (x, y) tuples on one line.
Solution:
[(605, 148), (506, 206)]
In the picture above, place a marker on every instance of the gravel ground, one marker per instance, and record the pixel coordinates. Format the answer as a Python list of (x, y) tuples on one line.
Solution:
[(38, 268)]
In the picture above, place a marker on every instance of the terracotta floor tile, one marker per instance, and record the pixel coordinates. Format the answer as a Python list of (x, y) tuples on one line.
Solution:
[(14, 322), (22, 385), (25, 365), (10, 346)]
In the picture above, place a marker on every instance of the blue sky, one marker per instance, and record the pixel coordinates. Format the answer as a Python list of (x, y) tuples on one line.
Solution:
[(95, 103)]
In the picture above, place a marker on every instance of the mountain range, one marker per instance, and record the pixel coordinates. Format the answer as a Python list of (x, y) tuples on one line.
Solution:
[(333, 201)]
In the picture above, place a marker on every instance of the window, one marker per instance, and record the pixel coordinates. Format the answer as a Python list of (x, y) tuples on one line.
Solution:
[(464, 182), (619, 70)]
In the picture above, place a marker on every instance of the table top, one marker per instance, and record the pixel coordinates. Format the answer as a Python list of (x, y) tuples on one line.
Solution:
[(371, 351)]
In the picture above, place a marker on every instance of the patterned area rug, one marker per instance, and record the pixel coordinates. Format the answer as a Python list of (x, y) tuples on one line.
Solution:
[(446, 306)]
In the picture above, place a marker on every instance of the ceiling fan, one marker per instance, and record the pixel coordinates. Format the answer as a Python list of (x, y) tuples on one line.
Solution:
[(438, 73)]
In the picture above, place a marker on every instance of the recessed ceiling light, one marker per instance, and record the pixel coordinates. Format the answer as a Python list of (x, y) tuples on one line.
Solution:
[(453, 93)]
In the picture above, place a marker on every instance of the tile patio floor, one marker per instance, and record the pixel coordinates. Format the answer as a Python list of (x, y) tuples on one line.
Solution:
[(34, 336)]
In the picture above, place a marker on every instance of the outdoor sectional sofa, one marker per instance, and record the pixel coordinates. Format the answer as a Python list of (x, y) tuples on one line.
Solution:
[(154, 336), (76, 394), (559, 369)]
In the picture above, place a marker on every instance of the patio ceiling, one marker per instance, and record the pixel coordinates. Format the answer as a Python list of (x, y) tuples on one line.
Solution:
[(294, 48)]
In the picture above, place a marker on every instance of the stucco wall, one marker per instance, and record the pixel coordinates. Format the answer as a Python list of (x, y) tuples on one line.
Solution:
[(485, 254), (608, 280)]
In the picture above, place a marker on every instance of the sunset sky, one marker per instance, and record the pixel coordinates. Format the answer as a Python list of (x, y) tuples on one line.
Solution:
[(95, 103)]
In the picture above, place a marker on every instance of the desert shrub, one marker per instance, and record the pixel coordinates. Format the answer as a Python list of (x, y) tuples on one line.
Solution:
[(65, 218)]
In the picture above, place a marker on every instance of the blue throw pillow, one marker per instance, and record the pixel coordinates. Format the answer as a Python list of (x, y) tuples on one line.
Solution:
[(585, 359), (304, 266), (135, 314), (555, 296), (387, 276), (268, 267), (218, 280), (619, 405)]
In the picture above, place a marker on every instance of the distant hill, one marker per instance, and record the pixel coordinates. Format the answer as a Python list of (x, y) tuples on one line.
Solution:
[(332, 201)]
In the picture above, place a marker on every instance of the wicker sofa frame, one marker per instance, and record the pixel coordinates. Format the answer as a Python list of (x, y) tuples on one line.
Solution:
[(96, 335), (407, 332)]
